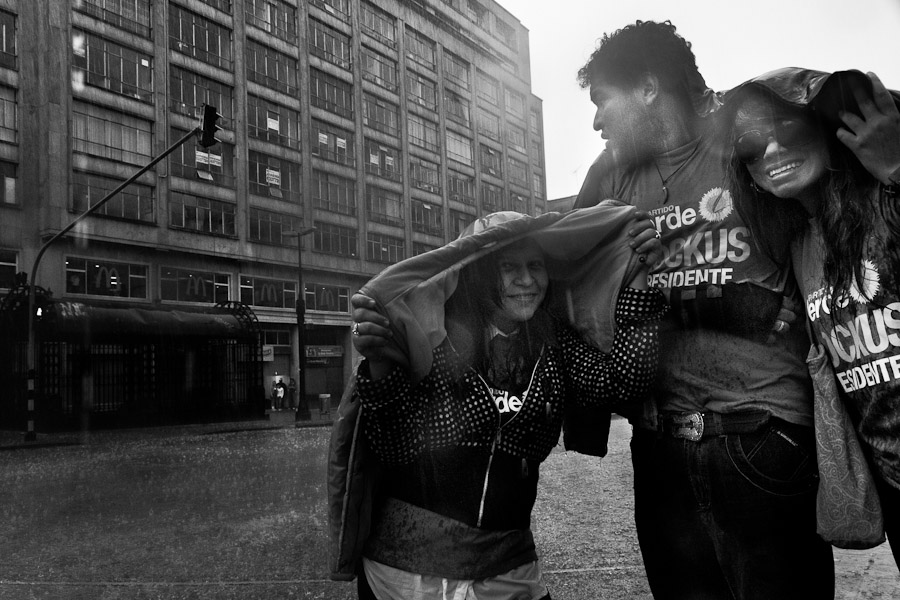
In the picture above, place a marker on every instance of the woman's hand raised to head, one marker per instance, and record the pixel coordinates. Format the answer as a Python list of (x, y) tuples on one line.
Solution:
[(371, 335), (874, 135)]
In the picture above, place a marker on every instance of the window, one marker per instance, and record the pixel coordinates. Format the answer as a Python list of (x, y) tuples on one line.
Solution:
[(202, 215), (270, 68), (379, 24), (383, 161), (456, 69), (515, 103), (213, 165), (537, 185), (518, 172), (272, 122), (421, 248), (134, 203), (427, 218), (331, 94), (457, 107), (423, 133), (274, 176), (7, 40), (332, 144), (9, 121), (384, 248), (518, 203), (328, 298), (105, 278), (477, 12), (489, 125), (537, 155), (425, 175), (271, 293), (381, 115), (109, 134), (421, 91), (112, 67), (9, 181), (507, 33), (334, 239), (188, 92), (384, 206), (491, 197), (419, 48), (9, 266), (223, 5), (130, 15), (459, 148), (379, 69), (462, 187), (333, 193), (329, 44), (267, 227), (195, 36), (183, 285), (274, 16), (458, 222), (337, 8), (487, 88), (490, 161), (515, 137), (534, 121)]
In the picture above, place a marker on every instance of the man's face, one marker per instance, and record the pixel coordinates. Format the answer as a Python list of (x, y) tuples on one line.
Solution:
[(624, 120)]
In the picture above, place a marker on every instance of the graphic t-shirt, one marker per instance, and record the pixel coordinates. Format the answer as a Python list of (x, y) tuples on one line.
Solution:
[(861, 334), (725, 293)]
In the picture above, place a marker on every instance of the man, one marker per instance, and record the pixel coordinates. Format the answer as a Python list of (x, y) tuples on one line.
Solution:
[(724, 455)]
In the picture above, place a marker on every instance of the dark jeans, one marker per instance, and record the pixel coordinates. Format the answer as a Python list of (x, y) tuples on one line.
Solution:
[(890, 506), (731, 516)]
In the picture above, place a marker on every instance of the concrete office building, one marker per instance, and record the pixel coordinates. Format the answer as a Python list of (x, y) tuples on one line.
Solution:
[(387, 126)]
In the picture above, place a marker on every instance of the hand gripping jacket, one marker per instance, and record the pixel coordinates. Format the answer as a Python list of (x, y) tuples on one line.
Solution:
[(589, 260)]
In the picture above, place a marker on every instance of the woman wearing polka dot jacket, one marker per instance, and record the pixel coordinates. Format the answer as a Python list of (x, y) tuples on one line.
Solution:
[(459, 450)]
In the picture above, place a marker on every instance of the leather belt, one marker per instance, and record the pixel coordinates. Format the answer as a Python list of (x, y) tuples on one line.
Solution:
[(695, 426)]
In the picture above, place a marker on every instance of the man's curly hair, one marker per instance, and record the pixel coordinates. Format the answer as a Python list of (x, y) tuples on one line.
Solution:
[(624, 57)]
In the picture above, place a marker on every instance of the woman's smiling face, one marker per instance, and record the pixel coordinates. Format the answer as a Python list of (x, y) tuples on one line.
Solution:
[(781, 147), (523, 283)]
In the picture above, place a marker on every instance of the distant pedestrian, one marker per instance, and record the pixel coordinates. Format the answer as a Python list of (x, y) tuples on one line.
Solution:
[(292, 394)]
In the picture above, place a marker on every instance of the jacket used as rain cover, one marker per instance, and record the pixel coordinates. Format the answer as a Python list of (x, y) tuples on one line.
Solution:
[(825, 93), (589, 261)]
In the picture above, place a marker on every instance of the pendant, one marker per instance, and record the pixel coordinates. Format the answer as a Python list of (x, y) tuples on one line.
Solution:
[(665, 194)]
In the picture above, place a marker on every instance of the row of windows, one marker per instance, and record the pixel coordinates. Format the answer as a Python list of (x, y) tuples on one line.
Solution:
[(113, 279), (109, 65)]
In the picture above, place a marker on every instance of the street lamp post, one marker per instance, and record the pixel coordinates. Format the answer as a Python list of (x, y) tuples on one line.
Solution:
[(302, 413)]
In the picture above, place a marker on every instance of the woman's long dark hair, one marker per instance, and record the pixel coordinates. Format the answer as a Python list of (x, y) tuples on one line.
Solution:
[(847, 213)]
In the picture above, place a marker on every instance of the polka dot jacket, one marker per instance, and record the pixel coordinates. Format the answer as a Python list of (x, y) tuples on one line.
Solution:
[(454, 407)]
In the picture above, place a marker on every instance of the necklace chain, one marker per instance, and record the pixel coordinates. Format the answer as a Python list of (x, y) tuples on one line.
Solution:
[(665, 180)]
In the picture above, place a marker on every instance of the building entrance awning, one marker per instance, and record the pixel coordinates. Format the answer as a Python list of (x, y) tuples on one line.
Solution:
[(68, 319)]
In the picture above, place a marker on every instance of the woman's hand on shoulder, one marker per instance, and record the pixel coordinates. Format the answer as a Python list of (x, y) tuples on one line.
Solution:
[(371, 335), (874, 135)]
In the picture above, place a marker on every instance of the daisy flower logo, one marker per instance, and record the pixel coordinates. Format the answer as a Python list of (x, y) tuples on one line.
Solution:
[(716, 205), (871, 284)]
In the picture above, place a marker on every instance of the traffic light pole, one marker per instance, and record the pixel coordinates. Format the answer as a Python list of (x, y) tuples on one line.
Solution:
[(30, 433)]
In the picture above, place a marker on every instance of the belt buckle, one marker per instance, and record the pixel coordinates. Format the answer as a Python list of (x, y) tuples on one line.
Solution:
[(688, 426)]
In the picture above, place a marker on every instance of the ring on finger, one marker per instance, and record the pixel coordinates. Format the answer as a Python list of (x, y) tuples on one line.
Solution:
[(355, 329), (656, 234), (780, 326)]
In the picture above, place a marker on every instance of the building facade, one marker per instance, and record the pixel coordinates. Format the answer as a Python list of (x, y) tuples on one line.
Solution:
[(387, 127)]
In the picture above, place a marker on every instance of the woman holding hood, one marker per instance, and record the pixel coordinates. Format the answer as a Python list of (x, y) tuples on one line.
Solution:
[(817, 162), (460, 424)]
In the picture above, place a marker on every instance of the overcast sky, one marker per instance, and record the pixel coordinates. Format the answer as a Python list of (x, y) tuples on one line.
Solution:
[(732, 40)]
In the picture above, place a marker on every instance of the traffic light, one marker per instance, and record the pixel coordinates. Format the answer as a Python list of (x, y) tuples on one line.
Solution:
[(208, 126)]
